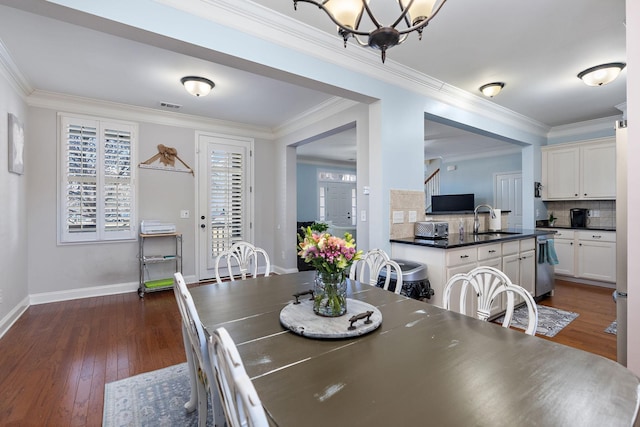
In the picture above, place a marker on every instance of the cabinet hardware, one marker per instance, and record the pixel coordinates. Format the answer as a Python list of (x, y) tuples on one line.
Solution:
[(464, 256), (596, 237), (492, 251)]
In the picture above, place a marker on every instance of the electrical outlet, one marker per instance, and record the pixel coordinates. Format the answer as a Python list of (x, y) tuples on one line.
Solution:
[(413, 216), (398, 217), (0, 296), (363, 215)]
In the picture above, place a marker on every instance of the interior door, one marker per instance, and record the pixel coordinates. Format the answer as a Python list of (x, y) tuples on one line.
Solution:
[(507, 195), (224, 198), (338, 203)]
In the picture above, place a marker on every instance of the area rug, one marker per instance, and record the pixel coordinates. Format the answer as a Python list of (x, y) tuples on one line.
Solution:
[(154, 398), (550, 320), (612, 328)]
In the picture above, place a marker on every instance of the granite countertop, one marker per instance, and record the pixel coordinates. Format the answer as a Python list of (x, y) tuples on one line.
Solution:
[(560, 227), (456, 240), (482, 212)]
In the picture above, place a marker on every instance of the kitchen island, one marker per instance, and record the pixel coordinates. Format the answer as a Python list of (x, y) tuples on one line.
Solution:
[(512, 251)]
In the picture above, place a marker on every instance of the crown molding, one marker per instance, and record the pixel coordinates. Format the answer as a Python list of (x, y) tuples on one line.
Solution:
[(57, 101), (12, 73), (267, 24), (581, 128), (319, 112), (481, 155)]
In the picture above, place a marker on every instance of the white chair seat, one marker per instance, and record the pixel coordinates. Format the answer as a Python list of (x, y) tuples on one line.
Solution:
[(487, 284), (372, 263), (243, 258), (239, 398)]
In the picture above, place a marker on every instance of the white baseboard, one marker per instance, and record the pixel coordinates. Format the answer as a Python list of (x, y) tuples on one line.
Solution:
[(7, 322), (94, 291), (586, 281)]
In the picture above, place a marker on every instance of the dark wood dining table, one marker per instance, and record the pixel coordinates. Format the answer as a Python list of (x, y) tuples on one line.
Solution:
[(422, 366)]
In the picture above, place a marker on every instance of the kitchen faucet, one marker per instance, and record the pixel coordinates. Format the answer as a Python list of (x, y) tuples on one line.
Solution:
[(476, 221)]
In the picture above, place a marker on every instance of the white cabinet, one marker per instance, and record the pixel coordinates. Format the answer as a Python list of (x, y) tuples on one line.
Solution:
[(520, 264), (586, 254), (562, 179), (585, 170), (563, 242), (596, 255)]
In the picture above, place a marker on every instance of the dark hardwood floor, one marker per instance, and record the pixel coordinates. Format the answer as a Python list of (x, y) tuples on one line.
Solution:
[(56, 359)]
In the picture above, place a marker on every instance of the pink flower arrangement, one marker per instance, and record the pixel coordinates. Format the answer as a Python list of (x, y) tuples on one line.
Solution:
[(327, 253)]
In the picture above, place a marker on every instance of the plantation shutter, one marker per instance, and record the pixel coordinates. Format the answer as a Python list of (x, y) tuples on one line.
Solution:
[(118, 186), (96, 189), (227, 197)]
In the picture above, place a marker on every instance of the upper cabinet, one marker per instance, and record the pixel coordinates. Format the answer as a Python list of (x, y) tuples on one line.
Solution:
[(585, 170)]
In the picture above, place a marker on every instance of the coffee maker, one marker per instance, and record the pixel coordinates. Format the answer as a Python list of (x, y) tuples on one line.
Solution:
[(578, 217)]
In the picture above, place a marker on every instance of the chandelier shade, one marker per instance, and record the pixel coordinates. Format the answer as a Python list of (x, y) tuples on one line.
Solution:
[(414, 15), (601, 74), (197, 86)]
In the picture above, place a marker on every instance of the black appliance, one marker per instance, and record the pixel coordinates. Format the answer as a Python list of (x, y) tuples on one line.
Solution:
[(452, 202), (578, 217), (415, 283)]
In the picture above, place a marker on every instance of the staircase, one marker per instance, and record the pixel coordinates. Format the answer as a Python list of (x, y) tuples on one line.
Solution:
[(432, 187)]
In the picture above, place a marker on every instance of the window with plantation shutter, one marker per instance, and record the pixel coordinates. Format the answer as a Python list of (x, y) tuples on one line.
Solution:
[(97, 194)]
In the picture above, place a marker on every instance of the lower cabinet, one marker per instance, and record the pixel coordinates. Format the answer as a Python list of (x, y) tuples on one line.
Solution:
[(565, 250), (596, 256), (586, 254), (519, 264)]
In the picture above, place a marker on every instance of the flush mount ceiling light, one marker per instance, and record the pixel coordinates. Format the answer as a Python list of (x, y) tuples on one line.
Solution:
[(347, 15), (601, 74), (491, 89), (197, 86)]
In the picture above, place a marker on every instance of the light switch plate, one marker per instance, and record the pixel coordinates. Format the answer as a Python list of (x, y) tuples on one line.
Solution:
[(184, 214), (413, 216), (398, 217)]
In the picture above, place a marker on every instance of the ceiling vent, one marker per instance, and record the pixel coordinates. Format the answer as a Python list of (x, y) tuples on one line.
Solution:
[(170, 105)]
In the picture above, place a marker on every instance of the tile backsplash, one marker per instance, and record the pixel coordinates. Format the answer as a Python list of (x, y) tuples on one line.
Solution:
[(404, 202), (602, 212)]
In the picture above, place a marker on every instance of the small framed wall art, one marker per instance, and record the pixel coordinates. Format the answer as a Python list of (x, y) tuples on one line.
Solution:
[(16, 145)]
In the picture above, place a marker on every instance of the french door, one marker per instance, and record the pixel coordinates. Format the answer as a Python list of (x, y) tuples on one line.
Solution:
[(225, 202)]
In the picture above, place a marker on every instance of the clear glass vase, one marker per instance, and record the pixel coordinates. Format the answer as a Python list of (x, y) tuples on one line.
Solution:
[(330, 294)]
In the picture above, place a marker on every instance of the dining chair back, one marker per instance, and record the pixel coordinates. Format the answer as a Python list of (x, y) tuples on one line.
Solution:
[(240, 400), (368, 268), (201, 370), (487, 285), (244, 258)]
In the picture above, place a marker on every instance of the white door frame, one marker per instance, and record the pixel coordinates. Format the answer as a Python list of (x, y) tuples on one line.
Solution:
[(202, 139)]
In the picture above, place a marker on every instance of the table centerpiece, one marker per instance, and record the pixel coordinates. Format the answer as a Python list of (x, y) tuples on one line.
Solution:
[(332, 257)]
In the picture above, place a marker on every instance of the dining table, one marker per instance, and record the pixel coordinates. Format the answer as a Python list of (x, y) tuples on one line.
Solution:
[(422, 366)]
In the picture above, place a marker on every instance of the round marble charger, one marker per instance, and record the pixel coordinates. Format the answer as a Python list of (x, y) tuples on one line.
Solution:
[(300, 319)]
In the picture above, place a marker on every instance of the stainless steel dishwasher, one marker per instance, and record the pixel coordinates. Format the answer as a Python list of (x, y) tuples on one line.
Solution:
[(545, 274)]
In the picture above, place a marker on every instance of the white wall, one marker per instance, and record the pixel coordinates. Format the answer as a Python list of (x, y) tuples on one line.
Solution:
[(13, 210), (633, 198), (70, 271)]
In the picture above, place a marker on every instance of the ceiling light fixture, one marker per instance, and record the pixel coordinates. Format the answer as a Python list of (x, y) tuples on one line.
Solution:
[(601, 74), (491, 89), (347, 15), (197, 86)]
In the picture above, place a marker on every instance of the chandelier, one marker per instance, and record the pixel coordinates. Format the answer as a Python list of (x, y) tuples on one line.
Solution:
[(347, 15)]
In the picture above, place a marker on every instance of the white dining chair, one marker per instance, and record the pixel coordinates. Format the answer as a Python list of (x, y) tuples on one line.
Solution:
[(239, 398), (488, 284), (243, 257), (367, 269), (198, 360)]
